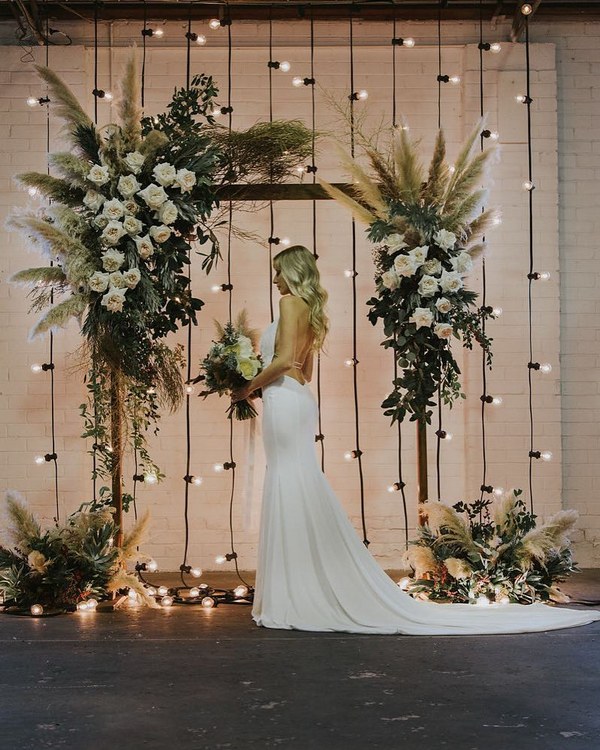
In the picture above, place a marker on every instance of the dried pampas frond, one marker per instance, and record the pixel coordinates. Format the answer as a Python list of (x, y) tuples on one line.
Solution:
[(408, 168), (46, 275), (72, 167), (21, 524), (450, 528), (51, 187), (124, 580), (422, 560), (64, 100), (359, 212), (438, 172), (368, 190), (552, 536), (130, 112), (132, 539), (59, 315), (458, 568)]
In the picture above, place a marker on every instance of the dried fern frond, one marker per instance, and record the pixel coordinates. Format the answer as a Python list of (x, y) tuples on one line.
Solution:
[(359, 212), (21, 525), (52, 187), (59, 315), (130, 112), (367, 190), (73, 168), (65, 103), (46, 275), (408, 168)]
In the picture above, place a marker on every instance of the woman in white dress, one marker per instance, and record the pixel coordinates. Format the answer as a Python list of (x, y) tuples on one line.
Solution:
[(313, 572)]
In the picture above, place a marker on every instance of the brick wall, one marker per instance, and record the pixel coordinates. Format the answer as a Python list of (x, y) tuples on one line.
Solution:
[(565, 163)]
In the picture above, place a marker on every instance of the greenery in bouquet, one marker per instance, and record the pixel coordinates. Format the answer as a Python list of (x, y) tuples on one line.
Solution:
[(426, 228), (482, 553), (64, 566), (232, 362)]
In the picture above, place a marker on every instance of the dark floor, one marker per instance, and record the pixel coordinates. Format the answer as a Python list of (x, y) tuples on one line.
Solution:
[(188, 678)]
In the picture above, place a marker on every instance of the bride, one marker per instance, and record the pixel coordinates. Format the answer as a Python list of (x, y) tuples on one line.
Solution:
[(313, 571)]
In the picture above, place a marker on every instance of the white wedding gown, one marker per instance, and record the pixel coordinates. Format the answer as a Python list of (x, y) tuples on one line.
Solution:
[(314, 573)]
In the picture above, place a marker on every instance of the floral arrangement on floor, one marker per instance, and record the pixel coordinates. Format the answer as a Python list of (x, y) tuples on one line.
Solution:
[(64, 567), (425, 227), (231, 362), (474, 553)]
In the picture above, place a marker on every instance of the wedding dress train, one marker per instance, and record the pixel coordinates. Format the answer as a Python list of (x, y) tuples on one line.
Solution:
[(314, 573)]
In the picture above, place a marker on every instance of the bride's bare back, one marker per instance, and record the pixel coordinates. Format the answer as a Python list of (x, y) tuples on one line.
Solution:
[(294, 338)]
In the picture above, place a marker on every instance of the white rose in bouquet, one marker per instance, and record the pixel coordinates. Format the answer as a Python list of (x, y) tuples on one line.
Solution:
[(117, 280), (132, 225), (422, 316), (419, 254), (132, 278), (100, 221), (443, 330), (113, 209), (112, 260), (462, 263), (443, 305), (98, 175), (93, 200), (154, 196), (404, 265), (114, 299), (131, 207), (98, 281), (135, 161), (451, 281), (390, 279), (432, 267), (244, 347), (394, 242), (167, 213), (160, 233), (248, 367), (112, 232), (164, 174), (128, 185), (185, 180), (144, 246), (444, 239), (428, 286)]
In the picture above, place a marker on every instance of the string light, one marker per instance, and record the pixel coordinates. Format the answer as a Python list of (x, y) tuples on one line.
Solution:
[(497, 401), (162, 591), (167, 601), (33, 101), (498, 491), (350, 362), (361, 95), (298, 81), (194, 592), (528, 185), (153, 32), (497, 311), (196, 572), (101, 94), (208, 602), (526, 9), (524, 99), (443, 435), (546, 368), (152, 566), (198, 38), (32, 191), (396, 487), (350, 273), (218, 468), (240, 591), (150, 478), (284, 65), (350, 455), (404, 583), (493, 135), (219, 23), (495, 47), (400, 42), (189, 389), (36, 610)]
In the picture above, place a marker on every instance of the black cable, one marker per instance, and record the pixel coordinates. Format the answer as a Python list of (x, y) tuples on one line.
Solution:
[(439, 432), (94, 367), (439, 78), (271, 206), (357, 451), (528, 102), (143, 85)]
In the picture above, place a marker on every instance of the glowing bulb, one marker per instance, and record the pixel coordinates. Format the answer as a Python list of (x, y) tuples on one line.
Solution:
[(194, 592), (285, 241), (150, 478), (284, 66), (152, 566), (297, 81), (215, 112), (240, 591), (546, 367), (494, 135), (133, 596), (108, 96), (521, 98), (36, 610), (348, 456), (200, 39), (36, 367), (163, 591), (189, 389), (215, 288), (452, 169), (544, 276), (528, 185), (348, 362), (526, 9), (159, 33), (391, 488), (546, 455), (92, 603), (498, 491), (82, 606), (204, 585), (455, 80), (218, 468), (167, 601), (363, 94), (497, 220), (196, 572), (214, 24), (497, 311), (39, 460), (349, 273), (208, 602), (300, 169), (410, 42), (197, 481), (32, 102), (448, 436), (220, 559), (495, 47), (33, 192), (482, 601), (151, 591), (497, 400), (404, 583)]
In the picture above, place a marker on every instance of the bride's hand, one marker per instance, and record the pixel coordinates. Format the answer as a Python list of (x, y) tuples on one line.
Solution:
[(240, 394)]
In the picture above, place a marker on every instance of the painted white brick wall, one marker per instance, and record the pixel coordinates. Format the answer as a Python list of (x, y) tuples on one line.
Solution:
[(566, 146)]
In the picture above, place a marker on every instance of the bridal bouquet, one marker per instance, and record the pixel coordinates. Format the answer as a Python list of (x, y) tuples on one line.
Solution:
[(231, 363)]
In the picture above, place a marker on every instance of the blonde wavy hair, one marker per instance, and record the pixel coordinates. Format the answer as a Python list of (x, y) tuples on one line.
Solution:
[(297, 266)]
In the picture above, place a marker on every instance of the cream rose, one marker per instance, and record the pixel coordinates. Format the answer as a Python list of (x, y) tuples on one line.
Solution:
[(131, 207), (112, 232), (132, 225), (185, 180), (442, 330), (93, 200), (404, 265), (112, 260), (98, 281), (390, 279), (98, 175), (100, 221), (394, 242), (37, 561), (144, 246), (428, 286), (462, 263), (167, 213), (154, 196), (419, 254), (113, 209), (128, 185), (135, 161), (117, 280), (132, 277), (451, 281), (432, 267), (422, 316), (443, 305), (114, 299), (248, 368), (444, 239), (161, 233), (164, 174)]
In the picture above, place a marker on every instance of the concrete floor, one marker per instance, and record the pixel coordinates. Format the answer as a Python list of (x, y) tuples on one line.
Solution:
[(188, 678)]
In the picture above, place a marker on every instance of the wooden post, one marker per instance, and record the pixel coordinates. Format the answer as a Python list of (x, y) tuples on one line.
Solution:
[(422, 490), (116, 439)]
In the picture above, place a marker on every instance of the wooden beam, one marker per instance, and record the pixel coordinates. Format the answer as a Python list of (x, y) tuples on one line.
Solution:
[(278, 192)]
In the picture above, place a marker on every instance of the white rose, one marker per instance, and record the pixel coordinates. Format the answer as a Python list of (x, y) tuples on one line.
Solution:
[(428, 286), (167, 213), (128, 185), (117, 280), (134, 161), (37, 561), (443, 330), (450, 281), (185, 180), (432, 267), (422, 316), (160, 233), (98, 175), (113, 299), (462, 263), (443, 305), (131, 207), (404, 265), (444, 239), (390, 279), (113, 209), (112, 260), (132, 277), (98, 281), (419, 254), (144, 246), (394, 242), (112, 232), (248, 367), (93, 200), (100, 221), (132, 225), (164, 174), (154, 196)]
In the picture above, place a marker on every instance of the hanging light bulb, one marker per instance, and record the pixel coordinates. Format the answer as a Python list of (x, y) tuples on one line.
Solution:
[(214, 24), (152, 566), (528, 185), (200, 39), (196, 572), (410, 42), (546, 455), (36, 368), (455, 80), (194, 592), (218, 468), (39, 460), (297, 81), (546, 367), (167, 601), (159, 33), (350, 273), (197, 481), (163, 591), (363, 95), (189, 389), (150, 478), (497, 401), (544, 275), (284, 66), (220, 559), (240, 591), (348, 456), (32, 102), (150, 590), (526, 9), (36, 610), (497, 311), (498, 491), (285, 241), (404, 583), (208, 602), (495, 47), (349, 362)]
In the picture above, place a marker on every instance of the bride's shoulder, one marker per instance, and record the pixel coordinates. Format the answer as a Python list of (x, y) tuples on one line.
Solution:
[(291, 303)]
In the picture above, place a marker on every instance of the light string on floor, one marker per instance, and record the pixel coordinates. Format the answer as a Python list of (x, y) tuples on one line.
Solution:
[(356, 453), (399, 485)]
